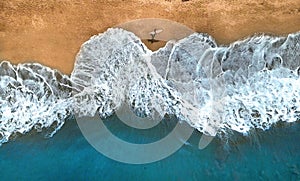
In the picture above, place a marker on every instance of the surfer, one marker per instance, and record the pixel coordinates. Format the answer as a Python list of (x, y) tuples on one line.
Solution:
[(153, 34)]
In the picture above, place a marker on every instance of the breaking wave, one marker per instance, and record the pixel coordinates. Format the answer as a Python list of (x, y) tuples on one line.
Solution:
[(252, 83)]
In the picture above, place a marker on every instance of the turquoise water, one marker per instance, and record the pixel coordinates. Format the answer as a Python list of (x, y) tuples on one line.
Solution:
[(269, 155)]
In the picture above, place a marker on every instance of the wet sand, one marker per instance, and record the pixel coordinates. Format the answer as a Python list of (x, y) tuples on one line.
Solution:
[(52, 31)]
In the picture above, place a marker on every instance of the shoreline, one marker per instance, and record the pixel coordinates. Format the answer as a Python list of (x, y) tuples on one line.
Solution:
[(51, 32)]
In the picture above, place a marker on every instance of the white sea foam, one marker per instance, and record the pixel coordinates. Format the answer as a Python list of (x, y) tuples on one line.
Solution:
[(195, 80), (261, 75), (32, 97), (123, 72), (253, 83)]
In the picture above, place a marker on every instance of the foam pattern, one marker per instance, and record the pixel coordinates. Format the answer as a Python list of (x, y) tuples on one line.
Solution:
[(32, 97), (250, 84)]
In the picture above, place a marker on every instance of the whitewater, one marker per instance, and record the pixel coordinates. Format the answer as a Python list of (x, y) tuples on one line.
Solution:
[(250, 84)]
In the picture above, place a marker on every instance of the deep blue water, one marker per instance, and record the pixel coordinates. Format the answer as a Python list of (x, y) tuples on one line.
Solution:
[(269, 155)]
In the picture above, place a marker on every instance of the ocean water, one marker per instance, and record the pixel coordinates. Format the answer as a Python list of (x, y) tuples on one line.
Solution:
[(246, 95), (269, 155)]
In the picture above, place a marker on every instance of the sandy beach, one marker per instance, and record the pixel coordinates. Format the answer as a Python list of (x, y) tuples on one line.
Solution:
[(51, 31)]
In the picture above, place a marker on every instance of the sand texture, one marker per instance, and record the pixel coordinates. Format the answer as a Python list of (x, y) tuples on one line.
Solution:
[(52, 31)]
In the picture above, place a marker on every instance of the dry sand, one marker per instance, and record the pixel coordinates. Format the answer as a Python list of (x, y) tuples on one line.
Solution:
[(52, 31)]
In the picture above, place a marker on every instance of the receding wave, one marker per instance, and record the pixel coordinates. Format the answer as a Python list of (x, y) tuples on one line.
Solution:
[(253, 83)]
